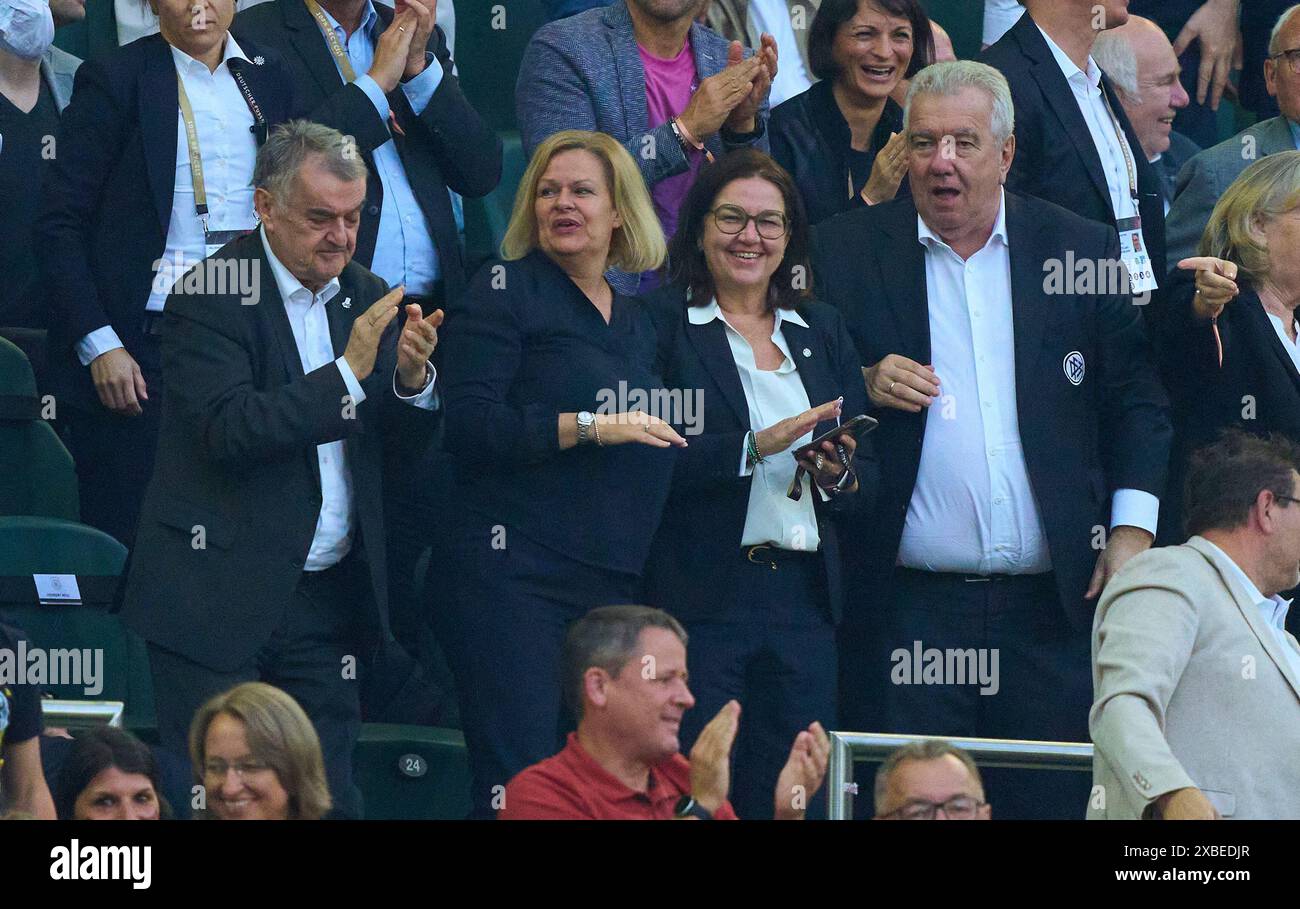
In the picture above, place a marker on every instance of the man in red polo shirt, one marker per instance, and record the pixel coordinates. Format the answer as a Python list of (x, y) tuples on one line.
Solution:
[(625, 673)]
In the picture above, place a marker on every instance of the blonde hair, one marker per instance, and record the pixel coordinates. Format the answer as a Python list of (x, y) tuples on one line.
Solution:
[(638, 245), (1268, 188), (278, 733)]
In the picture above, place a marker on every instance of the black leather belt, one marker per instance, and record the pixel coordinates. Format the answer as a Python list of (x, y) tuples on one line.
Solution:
[(435, 299), (975, 578), (766, 554)]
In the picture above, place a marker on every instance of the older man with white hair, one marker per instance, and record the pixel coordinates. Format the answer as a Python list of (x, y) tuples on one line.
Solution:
[(1144, 69), (966, 350)]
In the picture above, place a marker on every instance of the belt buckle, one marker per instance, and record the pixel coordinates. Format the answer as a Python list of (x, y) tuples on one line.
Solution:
[(749, 554)]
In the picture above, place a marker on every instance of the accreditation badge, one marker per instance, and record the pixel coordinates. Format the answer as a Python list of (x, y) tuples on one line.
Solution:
[(214, 240), (1133, 252)]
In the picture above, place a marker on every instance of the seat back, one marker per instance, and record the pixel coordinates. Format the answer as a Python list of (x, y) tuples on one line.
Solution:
[(117, 663), (412, 773)]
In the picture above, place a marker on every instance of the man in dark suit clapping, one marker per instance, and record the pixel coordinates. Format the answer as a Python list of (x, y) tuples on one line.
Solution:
[(260, 552), (1023, 442)]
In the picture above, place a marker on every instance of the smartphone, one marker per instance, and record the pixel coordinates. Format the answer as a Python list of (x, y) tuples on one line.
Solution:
[(856, 427)]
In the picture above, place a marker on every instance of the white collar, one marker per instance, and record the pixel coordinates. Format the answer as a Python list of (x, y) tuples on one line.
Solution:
[(185, 61), (703, 315), (1274, 607), (286, 283), (1068, 67), (928, 237)]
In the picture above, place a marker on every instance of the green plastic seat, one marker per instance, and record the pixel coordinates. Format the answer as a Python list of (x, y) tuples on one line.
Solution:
[(412, 772), (486, 219), (35, 545), (39, 477)]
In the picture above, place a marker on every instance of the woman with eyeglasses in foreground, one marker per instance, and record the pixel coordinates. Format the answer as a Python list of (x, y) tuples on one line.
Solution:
[(257, 758), (746, 556)]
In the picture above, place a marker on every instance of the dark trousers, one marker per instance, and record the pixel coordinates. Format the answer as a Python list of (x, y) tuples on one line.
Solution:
[(114, 454), (772, 648), (304, 657), (503, 633), (1043, 680)]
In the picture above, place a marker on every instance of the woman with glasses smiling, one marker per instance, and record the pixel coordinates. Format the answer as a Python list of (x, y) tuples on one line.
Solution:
[(257, 758), (746, 554)]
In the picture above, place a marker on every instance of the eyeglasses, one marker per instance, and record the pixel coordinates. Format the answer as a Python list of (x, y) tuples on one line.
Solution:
[(732, 219), (216, 769), (1285, 499), (1292, 58), (957, 808)]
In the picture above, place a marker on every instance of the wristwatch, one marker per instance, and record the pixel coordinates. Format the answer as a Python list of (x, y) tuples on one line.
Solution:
[(586, 420), (688, 807)]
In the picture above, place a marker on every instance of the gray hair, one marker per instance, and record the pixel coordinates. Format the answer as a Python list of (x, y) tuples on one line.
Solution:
[(924, 750), (290, 144), (951, 76), (1117, 59), (1275, 35), (607, 638)]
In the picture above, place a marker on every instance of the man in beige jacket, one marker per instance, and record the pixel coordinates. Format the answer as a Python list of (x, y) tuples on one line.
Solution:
[(1196, 682)]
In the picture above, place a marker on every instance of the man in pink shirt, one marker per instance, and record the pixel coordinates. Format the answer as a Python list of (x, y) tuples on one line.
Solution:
[(625, 672)]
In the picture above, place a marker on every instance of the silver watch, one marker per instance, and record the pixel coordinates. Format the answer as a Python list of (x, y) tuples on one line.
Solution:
[(586, 420)]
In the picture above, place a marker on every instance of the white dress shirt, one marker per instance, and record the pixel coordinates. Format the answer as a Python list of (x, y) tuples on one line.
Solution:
[(311, 333), (773, 17), (999, 16), (1291, 348), (967, 514), (229, 150), (771, 396), (1272, 609), (1092, 104)]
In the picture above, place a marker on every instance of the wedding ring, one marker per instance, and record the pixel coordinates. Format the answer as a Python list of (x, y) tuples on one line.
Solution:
[(401, 28), (890, 389)]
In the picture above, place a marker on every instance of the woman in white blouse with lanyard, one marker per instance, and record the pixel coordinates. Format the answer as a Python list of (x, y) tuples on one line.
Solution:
[(746, 555), (153, 171)]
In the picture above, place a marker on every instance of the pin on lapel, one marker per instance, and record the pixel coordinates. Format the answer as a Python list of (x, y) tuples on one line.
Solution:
[(807, 352), (347, 302), (259, 60)]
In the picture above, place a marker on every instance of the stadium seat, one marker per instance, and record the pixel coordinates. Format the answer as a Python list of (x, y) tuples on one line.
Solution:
[(36, 545), (39, 477), (486, 219), (412, 773)]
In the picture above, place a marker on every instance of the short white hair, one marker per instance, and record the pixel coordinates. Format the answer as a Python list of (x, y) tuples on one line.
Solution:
[(1277, 29), (1117, 59), (950, 77)]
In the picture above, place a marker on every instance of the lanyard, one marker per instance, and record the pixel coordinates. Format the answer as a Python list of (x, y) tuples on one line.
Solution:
[(1123, 144), (192, 136), (341, 56), (196, 159)]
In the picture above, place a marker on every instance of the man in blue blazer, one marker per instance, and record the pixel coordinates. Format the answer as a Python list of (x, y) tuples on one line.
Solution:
[(589, 71)]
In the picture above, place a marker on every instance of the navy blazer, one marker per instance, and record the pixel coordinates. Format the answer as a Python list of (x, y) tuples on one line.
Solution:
[(1257, 388), (107, 197), (447, 145), (1056, 158), (1081, 442), (695, 555), (237, 459)]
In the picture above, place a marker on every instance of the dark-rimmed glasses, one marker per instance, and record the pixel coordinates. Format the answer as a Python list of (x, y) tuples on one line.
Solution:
[(732, 219), (957, 808)]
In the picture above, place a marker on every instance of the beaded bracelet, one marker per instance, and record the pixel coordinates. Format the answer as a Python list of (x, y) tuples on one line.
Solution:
[(751, 449)]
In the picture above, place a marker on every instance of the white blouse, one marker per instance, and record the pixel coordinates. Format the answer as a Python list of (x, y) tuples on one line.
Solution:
[(772, 395)]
